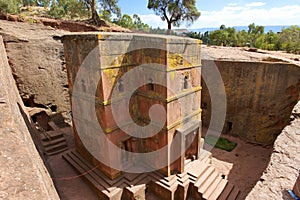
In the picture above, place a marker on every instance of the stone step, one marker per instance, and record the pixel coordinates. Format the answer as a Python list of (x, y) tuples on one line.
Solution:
[(225, 193), (194, 171), (136, 179), (208, 182), (51, 135), (54, 142), (101, 176), (56, 147), (85, 170), (218, 190), (234, 193), (187, 161), (155, 175), (209, 190), (201, 180), (53, 126), (207, 160), (169, 183), (54, 152), (183, 178)]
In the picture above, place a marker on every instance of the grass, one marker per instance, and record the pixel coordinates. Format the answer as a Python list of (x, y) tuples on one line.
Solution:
[(221, 143)]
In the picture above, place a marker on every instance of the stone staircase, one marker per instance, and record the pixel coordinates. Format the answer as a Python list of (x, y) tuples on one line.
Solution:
[(53, 141), (207, 182), (127, 186), (199, 181)]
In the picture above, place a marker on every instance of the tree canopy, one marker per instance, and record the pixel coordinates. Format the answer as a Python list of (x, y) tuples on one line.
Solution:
[(67, 8), (287, 40), (110, 5), (174, 12)]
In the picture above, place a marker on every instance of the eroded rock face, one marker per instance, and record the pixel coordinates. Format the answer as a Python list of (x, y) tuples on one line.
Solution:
[(282, 171), (260, 98), (23, 173), (38, 66)]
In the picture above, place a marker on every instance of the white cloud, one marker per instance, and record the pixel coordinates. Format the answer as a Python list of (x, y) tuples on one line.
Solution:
[(255, 4), (235, 15), (153, 20), (238, 15)]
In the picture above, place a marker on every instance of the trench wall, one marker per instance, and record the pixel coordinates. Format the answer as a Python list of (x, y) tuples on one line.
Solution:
[(260, 98)]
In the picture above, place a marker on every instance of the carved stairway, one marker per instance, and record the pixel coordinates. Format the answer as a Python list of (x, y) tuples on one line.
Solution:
[(207, 183), (199, 181), (53, 141)]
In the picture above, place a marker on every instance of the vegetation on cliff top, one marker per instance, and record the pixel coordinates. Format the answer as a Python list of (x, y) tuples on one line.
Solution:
[(288, 39)]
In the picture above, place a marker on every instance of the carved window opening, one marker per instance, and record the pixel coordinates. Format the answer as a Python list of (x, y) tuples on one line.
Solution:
[(191, 151), (230, 125), (125, 145), (150, 85), (120, 85), (185, 82)]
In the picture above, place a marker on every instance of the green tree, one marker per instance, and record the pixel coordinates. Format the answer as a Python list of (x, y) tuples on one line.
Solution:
[(271, 41), (222, 27), (10, 6), (218, 37), (137, 21), (255, 32), (290, 39), (194, 35), (125, 21), (68, 9), (175, 11), (242, 38), (30, 3), (138, 24), (105, 14), (110, 5), (232, 36), (205, 38)]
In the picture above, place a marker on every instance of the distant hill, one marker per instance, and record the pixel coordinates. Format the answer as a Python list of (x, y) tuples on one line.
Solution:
[(275, 29)]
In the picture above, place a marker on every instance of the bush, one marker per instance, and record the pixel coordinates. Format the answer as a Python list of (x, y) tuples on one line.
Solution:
[(10, 6), (220, 143)]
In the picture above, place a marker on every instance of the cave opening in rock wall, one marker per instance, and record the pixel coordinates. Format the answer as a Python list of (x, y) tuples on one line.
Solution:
[(229, 125)]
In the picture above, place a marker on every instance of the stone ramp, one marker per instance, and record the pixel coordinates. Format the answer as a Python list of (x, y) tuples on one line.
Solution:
[(199, 181)]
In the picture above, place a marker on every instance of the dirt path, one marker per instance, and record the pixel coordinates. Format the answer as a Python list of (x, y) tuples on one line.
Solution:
[(69, 185), (244, 165), (263, 172)]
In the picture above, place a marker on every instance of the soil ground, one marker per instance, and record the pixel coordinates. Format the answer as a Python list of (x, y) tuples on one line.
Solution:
[(69, 184), (243, 166)]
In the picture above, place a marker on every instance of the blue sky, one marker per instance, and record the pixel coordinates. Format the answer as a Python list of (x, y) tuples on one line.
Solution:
[(229, 12)]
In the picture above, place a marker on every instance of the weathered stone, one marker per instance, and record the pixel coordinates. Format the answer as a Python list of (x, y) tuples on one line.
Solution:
[(181, 101), (23, 174), (282, 172), (37, 61), (260, 98)]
